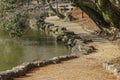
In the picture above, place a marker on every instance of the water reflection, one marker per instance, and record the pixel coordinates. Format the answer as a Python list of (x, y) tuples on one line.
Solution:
[(10, 53), (32, 46)]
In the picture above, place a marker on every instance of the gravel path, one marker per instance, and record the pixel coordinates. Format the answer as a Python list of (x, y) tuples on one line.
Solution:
[(86, 67), (70, 26)]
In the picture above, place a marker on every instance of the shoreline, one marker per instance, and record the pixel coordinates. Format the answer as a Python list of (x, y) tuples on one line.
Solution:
[(68, 37)]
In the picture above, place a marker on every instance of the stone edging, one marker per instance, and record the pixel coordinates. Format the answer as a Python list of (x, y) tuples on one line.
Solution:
[(70, 39), (25, 67), (108, 65)]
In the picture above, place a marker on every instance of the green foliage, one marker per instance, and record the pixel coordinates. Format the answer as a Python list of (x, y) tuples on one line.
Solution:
[(8, 4), (16, 26), (14, 23), (40, 21)]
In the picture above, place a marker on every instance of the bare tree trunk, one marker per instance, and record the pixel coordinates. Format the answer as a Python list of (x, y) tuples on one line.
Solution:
[(57, 12)]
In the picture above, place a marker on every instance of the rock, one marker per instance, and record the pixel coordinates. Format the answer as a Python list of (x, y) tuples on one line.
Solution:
[(57, 26), (87, 40), (81, 48), (65, 39), (59, 37), (64, 58), (116, 71), (6, 75), (69, 33), (63, 29), (111, 68), (105, 65), (89, 49), (70, 42), (57, 29), (37, 63), (118, 35), (55, 60), (50, 26), (53, 29), (77, 37), (110, 65)]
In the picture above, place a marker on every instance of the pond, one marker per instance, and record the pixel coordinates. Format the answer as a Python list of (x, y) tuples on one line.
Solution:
[(32, 46)]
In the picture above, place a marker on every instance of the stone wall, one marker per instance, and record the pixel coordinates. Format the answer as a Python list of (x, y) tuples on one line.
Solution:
[(69, 38)]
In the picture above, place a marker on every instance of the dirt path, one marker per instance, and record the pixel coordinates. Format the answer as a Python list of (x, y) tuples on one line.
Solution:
[(86, 67)]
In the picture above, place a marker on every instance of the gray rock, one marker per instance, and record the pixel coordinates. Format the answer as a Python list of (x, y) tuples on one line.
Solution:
[(63, 29), (111, 68), (105, 65), (69, 33)]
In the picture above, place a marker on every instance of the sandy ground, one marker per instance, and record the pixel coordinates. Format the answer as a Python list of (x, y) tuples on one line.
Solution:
[(86, 67)]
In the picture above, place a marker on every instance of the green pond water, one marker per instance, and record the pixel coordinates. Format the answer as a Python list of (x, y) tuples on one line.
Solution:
[(32, 46)]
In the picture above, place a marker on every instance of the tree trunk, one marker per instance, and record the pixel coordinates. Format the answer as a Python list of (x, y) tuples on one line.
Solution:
[(105, 12), (61, 16)]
